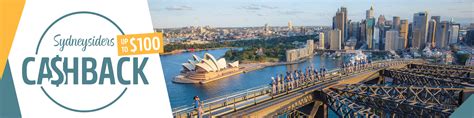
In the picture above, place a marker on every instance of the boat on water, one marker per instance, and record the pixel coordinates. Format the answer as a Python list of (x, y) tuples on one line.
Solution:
[(335, 55)]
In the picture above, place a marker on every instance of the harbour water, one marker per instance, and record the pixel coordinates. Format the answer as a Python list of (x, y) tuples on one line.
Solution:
[(182, 94)]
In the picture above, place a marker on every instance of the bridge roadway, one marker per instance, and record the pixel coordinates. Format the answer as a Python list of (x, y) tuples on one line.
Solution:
[(260, 102)]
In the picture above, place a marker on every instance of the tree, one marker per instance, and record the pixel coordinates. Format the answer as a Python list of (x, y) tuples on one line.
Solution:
[(461, 58)]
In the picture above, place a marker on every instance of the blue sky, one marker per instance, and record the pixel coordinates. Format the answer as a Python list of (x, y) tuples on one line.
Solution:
[(243, 13)]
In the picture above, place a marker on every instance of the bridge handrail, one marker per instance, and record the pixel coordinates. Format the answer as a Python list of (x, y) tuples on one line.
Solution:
[(223, 98), (236, 94)]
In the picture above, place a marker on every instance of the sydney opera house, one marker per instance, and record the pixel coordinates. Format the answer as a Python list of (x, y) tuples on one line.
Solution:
[(199, 70)]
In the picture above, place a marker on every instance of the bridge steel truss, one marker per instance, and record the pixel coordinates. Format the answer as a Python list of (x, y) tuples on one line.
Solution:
[(459, 73), (404, 77), (291, 110), (419, 90), (395, 101), (441, 67), (343, 106), (369, 101)]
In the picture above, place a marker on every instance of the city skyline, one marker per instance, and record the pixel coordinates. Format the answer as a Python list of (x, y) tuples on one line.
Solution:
[(174, 14)]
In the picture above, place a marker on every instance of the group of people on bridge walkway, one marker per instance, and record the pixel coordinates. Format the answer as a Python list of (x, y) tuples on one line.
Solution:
[(298, 78)]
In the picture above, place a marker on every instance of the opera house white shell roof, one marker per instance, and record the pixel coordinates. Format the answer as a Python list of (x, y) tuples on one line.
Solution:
[(207, 64)]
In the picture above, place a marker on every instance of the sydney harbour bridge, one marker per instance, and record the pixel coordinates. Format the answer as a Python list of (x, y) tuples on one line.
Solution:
[(389, 88)]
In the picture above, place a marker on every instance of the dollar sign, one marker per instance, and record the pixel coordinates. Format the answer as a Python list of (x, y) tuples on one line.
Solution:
[(134, 47), (56, 69)]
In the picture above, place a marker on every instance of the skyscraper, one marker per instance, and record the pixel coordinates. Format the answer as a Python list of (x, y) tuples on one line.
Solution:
[(420, 28), (369, 27), (388, 23), (382, 41), (350, 29), (340, 21), (362, 31), (396, 23), (404, 32), (454, 33), (469, 39), (335, 37), (321, 41), (377, 38), (432, 32), (369, 13), (355, 26), (410, 35), (436, 18), (392, 41), (346, 23), (369, 30), (381, 21), (379, 33), (442, 34)]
